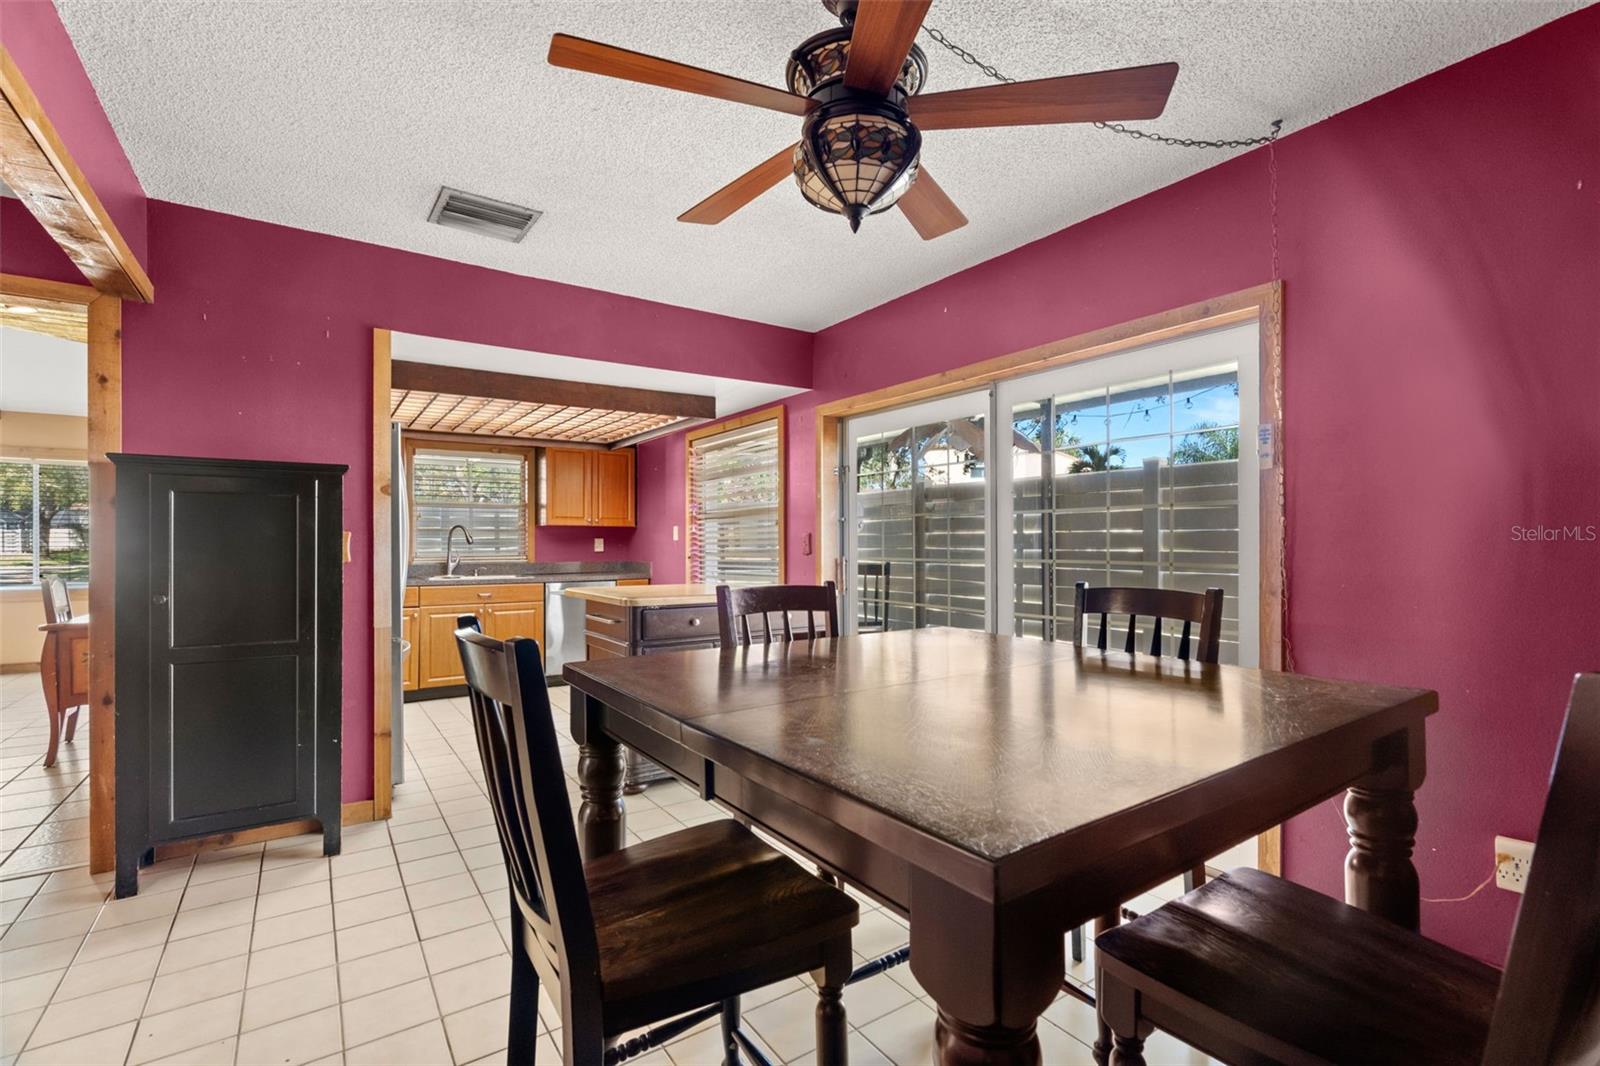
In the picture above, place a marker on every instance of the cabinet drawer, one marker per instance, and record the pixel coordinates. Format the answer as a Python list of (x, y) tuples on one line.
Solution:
[(442, 595), (678, 623), (599, 625), (664, 649), (411, 596)]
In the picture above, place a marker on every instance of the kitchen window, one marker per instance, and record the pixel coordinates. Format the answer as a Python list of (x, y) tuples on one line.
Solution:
[(44, 521), (736, 501), (482, 488)]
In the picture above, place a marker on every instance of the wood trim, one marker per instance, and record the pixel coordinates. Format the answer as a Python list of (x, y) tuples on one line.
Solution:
[(36, 164), (350, 814), (463, 381), (497, 445), (382, 586), (105, 436), (727, 425), (437, 437), (40, 292), (40, 452), (1260, 303)]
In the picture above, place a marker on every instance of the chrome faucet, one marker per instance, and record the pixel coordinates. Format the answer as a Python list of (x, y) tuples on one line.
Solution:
[(451, 559)]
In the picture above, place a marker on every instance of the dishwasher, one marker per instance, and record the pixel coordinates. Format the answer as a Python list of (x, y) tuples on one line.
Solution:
[(564, 625)]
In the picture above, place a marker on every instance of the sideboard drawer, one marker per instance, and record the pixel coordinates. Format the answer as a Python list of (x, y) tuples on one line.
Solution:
[(678, 623)]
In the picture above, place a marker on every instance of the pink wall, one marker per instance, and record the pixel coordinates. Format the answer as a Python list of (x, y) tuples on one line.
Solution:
[(38, 43), (259, 345), (1441, 256)]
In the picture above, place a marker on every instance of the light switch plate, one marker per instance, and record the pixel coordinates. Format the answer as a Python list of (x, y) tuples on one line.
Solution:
[(599, 544), (674, 533)]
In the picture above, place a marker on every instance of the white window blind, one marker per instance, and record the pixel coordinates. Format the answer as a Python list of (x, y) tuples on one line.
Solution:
[(735, 485), (44, 521), (485, 491)]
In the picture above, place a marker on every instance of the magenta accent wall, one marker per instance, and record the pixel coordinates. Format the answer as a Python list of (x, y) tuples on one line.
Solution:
[(38, 43), (26, 248), (259, 345), (1441, 256)]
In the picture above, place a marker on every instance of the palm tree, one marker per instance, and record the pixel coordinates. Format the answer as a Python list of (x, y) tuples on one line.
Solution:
[(1094, 457)]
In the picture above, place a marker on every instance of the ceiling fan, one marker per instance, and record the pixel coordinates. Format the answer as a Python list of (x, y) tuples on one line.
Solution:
[(858, 90)]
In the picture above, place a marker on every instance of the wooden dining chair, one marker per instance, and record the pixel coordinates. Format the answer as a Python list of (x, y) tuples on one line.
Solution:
[(1251, 968), (56, 680), (777, 609), (686, 922), (1202, 609)]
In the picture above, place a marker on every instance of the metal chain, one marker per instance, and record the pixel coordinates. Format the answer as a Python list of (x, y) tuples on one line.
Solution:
[(1115, 127)]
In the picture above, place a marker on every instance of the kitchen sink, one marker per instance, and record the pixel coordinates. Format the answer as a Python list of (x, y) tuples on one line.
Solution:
[(476, 577)]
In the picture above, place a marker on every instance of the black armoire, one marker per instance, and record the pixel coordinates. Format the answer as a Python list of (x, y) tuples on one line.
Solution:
[(229, 599)]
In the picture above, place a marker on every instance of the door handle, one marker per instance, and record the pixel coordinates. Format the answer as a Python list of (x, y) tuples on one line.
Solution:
[(159, 600)]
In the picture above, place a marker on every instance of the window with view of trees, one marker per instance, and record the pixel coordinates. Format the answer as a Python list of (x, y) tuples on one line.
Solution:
[(486, 491), (44, 521)]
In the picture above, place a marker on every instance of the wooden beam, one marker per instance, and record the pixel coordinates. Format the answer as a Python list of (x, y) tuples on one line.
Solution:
[(382, 585), (36, 164), (462, 381), (105, 435)]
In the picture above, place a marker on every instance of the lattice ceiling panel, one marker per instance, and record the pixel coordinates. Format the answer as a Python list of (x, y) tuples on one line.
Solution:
[(440, 412), (53, 320)]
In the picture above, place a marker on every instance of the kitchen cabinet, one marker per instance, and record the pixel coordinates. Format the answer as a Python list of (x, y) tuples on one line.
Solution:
[(588, 488), (229, 614), (502, 611)]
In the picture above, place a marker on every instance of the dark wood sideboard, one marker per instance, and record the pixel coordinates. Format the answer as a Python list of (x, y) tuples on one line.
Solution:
[(229, 617), (647, 620)]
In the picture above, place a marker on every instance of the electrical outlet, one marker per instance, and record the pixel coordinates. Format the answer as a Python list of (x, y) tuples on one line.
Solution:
[(599, 544), (674, 533), (1512, 859)]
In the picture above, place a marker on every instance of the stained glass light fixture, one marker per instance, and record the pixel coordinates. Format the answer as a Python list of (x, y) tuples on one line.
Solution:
[(858, 150)]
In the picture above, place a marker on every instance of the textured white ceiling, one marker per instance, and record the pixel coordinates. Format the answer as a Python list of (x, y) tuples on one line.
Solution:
[(346, 117)]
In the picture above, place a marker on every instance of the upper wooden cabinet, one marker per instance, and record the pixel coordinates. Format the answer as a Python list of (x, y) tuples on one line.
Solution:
[(587, 488)]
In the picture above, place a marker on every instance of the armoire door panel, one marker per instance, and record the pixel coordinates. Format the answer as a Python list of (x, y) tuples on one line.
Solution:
[(242, 571), (239, 746)]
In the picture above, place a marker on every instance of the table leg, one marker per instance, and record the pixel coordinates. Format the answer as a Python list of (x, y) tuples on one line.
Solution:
[(602, 820), (990, 969), (1382, 818)]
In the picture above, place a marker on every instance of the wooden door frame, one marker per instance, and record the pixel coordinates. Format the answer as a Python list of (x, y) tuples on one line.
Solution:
[(103, 314), (1262, 304)]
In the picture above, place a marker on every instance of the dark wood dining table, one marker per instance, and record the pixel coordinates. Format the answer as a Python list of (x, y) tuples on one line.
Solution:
[(999, 791)]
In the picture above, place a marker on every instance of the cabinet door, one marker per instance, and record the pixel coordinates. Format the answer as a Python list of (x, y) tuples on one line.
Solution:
[(233, 662), (441, 660), (613, 488), (566, 487), (504, 621), (409, 631)]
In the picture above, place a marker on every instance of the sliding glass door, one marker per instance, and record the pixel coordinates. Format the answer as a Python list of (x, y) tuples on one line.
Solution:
[(1128, 470), (915, 509), (982, 510)]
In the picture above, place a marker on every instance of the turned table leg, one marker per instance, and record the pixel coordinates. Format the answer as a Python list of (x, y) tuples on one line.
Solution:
[(990, 967), (1382, 818), (602, 820)]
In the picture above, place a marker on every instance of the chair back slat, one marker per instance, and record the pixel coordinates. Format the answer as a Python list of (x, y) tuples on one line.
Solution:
[(533, 815), (736, 607), (1160, 605), (57, 604), (1548, 1008)]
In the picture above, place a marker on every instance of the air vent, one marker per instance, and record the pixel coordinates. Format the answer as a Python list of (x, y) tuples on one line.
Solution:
[(479, 214)]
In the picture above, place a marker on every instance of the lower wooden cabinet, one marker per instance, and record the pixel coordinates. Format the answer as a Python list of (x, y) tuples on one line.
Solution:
[(502, 611), (410, 664)]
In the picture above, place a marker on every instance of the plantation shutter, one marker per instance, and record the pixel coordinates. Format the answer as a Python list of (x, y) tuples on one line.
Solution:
[(734, 492), (484, 491)]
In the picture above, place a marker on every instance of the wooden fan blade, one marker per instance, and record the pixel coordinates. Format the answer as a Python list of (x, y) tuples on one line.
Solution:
[(1103, 96), (931, 211), (596, 58), (883, 34), (741, 190)]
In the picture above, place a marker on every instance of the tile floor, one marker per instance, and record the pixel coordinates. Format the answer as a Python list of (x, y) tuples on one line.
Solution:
[(393, 952), (44, 813)]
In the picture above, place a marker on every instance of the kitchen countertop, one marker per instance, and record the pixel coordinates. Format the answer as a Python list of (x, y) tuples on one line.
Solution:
[(509, 573), (649, 595)]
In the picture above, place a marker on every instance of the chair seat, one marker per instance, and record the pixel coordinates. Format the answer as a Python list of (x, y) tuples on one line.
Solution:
[(1295, 976), (700, 905)]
